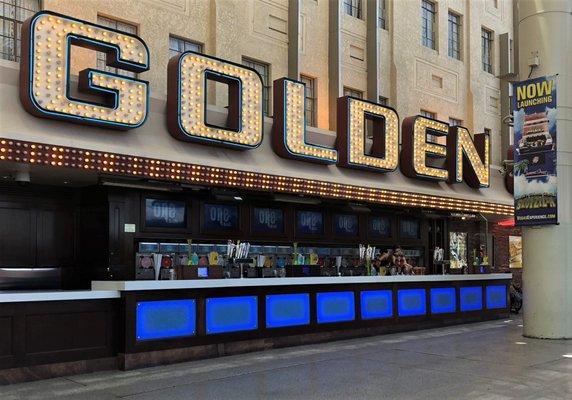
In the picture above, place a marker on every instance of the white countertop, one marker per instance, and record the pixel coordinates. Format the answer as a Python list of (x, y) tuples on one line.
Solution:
[(112, 289), (246, 282), (15, 296)]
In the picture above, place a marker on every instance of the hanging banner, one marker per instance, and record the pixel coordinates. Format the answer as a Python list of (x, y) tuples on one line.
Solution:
[(535, 181)]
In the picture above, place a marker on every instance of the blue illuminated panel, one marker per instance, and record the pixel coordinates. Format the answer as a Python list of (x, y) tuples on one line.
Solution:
[(335, 307), (376, 304), (411, 302), (231, 314), (496, 296), (287, 310), (471, 298), (443, 300), (165, 319)]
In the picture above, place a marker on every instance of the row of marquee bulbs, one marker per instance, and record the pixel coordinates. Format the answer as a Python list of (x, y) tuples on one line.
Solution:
[(68, 157)]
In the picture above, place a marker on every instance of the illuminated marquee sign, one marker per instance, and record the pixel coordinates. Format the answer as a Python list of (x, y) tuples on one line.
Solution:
[(468, 160), (47, 40), (45, 91), (187, 101), (289, 128), (353, 115), (418, 148)]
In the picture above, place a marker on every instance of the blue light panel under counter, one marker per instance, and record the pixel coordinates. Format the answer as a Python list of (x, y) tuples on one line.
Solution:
[(231, 314), (335, 307), (411, 302), (287, 310), (165, 319), (496, 296), (443, 300), (471, 298), (376, 304)]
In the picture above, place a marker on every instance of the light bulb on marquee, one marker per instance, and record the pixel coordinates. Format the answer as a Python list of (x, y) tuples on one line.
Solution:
[(47, 38), (44, 91)]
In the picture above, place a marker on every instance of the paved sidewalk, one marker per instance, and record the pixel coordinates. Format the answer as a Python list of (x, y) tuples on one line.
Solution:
[(490, 360)]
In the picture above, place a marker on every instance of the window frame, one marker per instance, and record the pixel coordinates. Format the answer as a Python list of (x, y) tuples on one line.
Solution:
[(310, 102), (429, 24), (266, 81), (101, 57), (431, 115), (487, 43), (455, 53), (185, 42), (15, 34), (349, 91), (382, 14), (455, 122), (353, 8), (427, 114)]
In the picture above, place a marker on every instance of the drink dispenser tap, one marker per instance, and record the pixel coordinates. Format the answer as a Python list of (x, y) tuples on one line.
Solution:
[(146, 263)]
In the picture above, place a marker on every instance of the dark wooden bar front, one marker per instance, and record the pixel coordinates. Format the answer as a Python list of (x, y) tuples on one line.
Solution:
[(44, 339), (136, 353)]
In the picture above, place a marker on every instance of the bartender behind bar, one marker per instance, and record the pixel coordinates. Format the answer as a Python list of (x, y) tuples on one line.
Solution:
[(393, 262)]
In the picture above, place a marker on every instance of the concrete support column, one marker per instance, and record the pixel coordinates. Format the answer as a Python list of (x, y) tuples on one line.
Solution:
[(334, 59), (545, 26), (372, 50), (294, 39)]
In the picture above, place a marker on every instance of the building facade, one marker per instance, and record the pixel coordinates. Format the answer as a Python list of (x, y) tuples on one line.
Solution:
[(444, 60), (438, 58), (82, 203)]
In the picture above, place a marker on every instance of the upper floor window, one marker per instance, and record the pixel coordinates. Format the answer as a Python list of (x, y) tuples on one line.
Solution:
[(348, 91), (383, 100), (353, 8), (455, 122), (101, 56), (178, 46), (12, 14), (432, 115), (428, 114), (264, 70), (454, 35), (428, 21), (382, 15), (310, 97), (487, 50)]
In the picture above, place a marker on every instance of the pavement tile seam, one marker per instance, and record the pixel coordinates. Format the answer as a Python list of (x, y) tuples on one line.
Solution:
[(503, 381), (225, 377), (104, 385)]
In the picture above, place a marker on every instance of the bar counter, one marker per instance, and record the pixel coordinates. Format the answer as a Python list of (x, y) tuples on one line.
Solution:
[(22, 296), (133, 324), (248, 282), (167, 321)]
